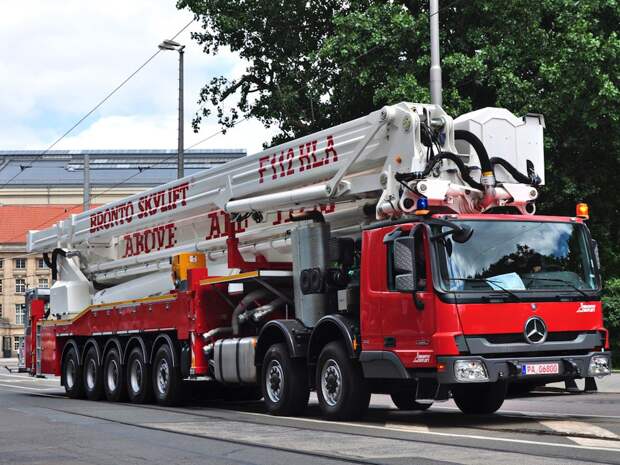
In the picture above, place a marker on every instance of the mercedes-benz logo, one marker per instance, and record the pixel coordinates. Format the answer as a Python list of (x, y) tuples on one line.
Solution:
[(535, 330)]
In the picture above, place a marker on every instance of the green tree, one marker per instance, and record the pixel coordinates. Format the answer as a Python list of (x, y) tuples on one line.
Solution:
[(316, 63)]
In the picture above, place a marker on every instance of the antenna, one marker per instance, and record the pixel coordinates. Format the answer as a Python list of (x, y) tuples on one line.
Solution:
[(435, 73)]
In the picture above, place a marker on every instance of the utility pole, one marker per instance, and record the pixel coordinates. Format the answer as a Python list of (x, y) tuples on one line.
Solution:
[(435, 77), (86, 198), (180, 157), (172, 45)]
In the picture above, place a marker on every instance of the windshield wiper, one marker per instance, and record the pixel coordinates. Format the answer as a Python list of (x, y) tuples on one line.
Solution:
[(560, 280), (490, 282)]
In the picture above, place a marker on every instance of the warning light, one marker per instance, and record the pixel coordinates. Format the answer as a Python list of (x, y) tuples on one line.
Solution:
[(583, 211), (422, 207), (441, 367)]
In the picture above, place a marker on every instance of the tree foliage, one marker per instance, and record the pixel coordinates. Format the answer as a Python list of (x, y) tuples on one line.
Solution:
[(316, 63)]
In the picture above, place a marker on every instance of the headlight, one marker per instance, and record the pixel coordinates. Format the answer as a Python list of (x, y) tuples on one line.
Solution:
[(470, 371), (599, 366)]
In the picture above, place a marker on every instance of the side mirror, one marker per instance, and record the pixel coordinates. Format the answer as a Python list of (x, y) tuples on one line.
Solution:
[(404, 265)]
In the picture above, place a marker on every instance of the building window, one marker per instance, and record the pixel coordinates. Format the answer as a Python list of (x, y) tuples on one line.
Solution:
[(44, 283), (20, 312), (1, 263), (20, 285), (41, 263), (20, 263), (0, 286), (17, 340), (1, 314)]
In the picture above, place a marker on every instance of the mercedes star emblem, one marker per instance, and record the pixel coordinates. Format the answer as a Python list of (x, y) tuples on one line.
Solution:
[(535, 331)]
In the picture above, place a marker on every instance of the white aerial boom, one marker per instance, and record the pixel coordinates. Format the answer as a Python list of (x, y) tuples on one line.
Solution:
[(384, 162)]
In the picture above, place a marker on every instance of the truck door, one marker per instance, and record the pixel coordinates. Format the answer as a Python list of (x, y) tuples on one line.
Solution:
[(407, 320)]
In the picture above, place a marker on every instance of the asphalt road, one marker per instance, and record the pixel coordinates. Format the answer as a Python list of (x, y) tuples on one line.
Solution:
[(38, 425)]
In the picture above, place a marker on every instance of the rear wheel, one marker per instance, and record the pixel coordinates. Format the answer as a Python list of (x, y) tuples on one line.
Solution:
[(138, 378), (479, 398), (405, 400), (114, 377), (166, 378), (341, 388), (72, 375), (284, 382), (93, 380)]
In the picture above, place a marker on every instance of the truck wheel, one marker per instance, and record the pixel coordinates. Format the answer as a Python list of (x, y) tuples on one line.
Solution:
[(341, 388), (284, 382), (92, 379), (166, 378), (405, 400), (72, 375), (479, 398), (113, 377), (138, 378)]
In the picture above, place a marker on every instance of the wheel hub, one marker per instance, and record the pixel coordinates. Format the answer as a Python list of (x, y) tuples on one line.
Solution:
[(113, 375), (136, 376), (91, 374), (275, 381), (331, 382), (163, 376), (70, 374)]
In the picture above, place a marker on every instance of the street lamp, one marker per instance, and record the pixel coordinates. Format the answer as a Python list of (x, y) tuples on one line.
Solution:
[(175, 46)]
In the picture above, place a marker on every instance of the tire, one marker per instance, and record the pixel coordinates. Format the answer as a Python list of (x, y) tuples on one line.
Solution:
[(138, 378), (405, 400), (479, 398), (341, 389), (284, 382), (114, 386), (92, 375), (166, 377), (72, 375)]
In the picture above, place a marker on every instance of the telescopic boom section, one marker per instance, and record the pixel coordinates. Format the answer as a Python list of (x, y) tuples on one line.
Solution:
[(385, 161)]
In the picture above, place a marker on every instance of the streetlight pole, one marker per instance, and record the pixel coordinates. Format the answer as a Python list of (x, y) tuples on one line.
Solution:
[(172, 45), (435, 78)]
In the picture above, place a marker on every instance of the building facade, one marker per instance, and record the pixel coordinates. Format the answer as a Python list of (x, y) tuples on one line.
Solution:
[(49, 188)]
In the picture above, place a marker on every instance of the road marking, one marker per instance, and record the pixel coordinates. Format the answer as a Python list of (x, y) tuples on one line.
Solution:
[(408, 427), (579, 427), (13, 386), (596, 443), (453, 435), (536, 414)]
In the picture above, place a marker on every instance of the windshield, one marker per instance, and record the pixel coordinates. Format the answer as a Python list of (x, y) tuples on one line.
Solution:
[(518, 256)]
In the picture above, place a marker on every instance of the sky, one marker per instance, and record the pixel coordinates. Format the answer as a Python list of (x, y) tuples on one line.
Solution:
[(60, 58)]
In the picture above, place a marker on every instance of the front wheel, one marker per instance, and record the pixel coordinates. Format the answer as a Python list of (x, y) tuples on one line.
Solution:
[(479, 398), (284, 382), (340, 385)]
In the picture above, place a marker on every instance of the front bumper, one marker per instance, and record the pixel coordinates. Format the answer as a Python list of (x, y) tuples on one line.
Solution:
[(511, 368)]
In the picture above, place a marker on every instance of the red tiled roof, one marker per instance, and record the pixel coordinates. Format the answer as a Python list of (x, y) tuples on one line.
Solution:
[(17, 220)]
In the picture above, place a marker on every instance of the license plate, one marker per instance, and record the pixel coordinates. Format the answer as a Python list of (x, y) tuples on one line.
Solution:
[(540, 369)]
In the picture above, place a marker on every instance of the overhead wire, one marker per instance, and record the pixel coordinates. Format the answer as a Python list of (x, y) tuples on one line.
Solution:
[(93, 109)]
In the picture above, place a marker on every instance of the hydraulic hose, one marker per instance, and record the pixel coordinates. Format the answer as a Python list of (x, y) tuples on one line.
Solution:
[(532, 179), (401, 177), (52, 263), (481, 151)]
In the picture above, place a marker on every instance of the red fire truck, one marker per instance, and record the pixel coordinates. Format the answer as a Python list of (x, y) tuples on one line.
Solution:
[(397, 253)]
